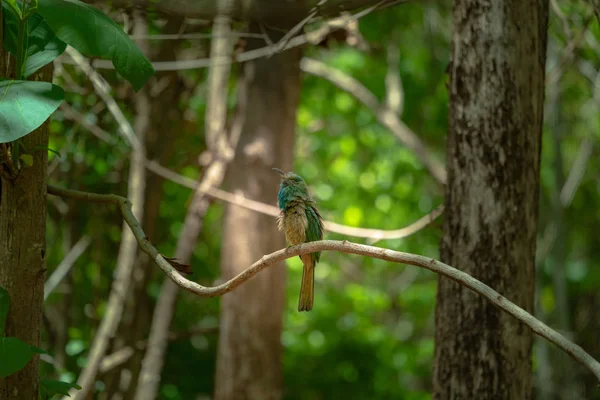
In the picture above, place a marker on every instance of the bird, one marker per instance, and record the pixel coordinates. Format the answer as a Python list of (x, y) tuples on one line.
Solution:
[(301, 222)]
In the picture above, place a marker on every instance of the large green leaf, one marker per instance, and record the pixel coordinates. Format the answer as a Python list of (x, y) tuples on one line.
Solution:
[(25, 105), (43, 46), (96, 35), (4, 304), (14, 355), (51, 387), (13, 8)]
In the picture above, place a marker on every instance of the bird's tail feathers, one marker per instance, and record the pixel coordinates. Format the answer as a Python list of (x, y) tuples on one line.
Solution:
[(307, 289)]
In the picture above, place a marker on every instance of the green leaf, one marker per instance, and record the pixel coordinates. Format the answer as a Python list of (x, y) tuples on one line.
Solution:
[(52, 387), (95, 35), (43, 45), (14, 355), (4, 305), (25, 105), (37, 350), (14, 7)]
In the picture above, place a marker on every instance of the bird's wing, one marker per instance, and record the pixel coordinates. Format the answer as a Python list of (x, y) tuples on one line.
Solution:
[(314, 230)]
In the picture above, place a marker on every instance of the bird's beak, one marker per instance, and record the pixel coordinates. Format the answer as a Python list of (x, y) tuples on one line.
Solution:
[(280, 171)]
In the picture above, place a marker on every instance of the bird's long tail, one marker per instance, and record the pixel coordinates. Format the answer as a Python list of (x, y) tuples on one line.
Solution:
[(307, 290)]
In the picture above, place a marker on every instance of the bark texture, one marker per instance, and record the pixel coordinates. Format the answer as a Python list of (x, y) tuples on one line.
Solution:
[(249, 353), (23, 253), (496, 109)]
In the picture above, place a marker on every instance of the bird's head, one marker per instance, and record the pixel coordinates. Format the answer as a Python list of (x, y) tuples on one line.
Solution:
[(292, 187), (290, 179)]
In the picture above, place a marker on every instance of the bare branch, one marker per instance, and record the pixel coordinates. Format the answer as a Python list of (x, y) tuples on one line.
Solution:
[(65, 265), (281, 44), (103, 90), (312, 37), (384, 114), (538, 327), (374, 235)]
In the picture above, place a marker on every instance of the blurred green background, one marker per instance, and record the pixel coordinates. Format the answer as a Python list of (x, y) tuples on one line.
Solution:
[(371, 334)]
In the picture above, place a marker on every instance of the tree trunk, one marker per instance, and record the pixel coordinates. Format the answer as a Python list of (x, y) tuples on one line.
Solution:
[(249, 353), (23, 251), (496, 109)]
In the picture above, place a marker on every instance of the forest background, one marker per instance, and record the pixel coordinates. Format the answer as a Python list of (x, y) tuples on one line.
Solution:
[(356, 94)]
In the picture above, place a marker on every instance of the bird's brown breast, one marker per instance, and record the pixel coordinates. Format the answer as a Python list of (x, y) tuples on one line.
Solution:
[(294, 223)]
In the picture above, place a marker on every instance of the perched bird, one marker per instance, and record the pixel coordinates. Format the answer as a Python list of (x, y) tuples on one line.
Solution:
[(299, 219)]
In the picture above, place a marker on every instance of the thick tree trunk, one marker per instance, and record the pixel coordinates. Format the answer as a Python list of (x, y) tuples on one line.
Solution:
[(496, 108), (23, 252), (249, 354)]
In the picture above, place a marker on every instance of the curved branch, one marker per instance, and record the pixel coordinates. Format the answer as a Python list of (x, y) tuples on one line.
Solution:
[(538, 327)]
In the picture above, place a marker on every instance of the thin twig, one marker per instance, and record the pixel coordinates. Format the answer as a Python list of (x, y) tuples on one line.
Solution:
[(464, 279), (65, 265), (568, 53), (282, 43), (267, 209), (384, 114)]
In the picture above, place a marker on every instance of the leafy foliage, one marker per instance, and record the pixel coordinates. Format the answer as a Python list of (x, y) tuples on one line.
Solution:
[(96, 35), (43, 45), (370, 335)]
